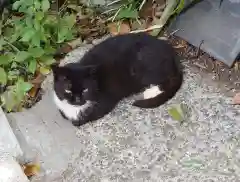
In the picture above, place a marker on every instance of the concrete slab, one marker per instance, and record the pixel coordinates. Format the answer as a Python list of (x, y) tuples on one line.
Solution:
[(134, 145), (10, 170), (49, 138), (8, 142), (212, 24)]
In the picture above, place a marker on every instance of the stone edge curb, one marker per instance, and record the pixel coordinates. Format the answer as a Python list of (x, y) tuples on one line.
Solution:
[(10, 150)]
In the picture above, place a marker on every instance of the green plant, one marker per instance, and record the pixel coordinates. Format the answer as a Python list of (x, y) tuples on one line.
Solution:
[(28, 41), (128, 9)]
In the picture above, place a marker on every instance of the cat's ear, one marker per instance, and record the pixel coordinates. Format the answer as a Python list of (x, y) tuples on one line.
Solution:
[(54, 67), (92, 69), (60, 72), (63, 70)]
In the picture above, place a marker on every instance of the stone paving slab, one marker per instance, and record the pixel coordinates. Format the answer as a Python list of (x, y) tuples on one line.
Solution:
[(134, 145)]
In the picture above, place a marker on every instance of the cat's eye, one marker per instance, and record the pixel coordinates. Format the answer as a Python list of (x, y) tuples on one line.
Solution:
[(68, 91), (85, 90)]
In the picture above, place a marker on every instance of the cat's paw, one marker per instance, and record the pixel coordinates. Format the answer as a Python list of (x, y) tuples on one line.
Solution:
[(80, 121), (76, 123)]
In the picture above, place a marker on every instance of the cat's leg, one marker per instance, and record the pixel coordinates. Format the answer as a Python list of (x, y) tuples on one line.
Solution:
[(95, 111), (62, 114), (83, 116), (157, 95)]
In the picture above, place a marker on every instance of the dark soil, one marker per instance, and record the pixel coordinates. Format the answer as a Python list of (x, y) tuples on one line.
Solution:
[(225, 77)]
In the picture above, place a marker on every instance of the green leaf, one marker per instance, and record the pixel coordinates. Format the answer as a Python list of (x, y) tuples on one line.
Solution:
[(13, 75), (14, 65), (25, 86), (37, 5), (39, 15), (37, 26), (45, 5), (62, 33), (70, 20), (14, 37), (47, 60), (127, 13), (44, 70), (49, 50), (36, 40), (16, 5), (29, 22), (69, 36), (176, 112), (2, 43), (64, 30), (8, 99), (28, 2), (5, 59), (29, 33), (32, 66), (36, 52), (179, 7), (22, 56), (44, 36), (3, 76), (22, 86), (23, 8)]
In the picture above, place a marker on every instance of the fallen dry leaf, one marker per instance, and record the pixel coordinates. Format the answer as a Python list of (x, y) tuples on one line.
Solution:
[(33, 92), (237, 66), (236, 98), (75, 43), (141, 24), (116, 28), (147, 10), (38, 79), (62, 51), (31, 169), (178, 46)]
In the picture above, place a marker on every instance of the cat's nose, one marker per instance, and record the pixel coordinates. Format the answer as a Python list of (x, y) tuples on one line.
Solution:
[(78, 99)]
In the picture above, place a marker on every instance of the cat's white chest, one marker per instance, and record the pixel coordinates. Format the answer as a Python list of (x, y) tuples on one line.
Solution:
[(72, 112)]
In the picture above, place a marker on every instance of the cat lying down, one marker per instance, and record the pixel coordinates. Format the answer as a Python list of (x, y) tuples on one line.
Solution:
[(117, 68)]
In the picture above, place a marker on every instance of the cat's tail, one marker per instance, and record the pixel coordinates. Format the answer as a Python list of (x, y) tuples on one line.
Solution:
[(170, 88)]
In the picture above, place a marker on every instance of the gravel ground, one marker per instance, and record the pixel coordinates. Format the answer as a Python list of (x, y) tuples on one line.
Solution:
[(134, 145)]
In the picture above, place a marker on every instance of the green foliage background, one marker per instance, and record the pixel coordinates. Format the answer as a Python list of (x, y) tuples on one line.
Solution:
[(28, 41)]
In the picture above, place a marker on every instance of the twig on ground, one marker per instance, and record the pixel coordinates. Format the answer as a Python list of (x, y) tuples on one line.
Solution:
[(148, 29), (172, 33), (167, 13), (199, 48)]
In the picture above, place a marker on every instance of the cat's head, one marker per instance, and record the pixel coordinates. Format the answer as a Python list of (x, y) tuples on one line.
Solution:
[(74, 83)]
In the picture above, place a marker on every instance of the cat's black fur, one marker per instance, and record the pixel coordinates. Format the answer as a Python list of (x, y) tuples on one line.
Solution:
[(117, 68)]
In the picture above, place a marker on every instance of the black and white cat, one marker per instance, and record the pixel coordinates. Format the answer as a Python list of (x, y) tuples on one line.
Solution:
[(116, 68)]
